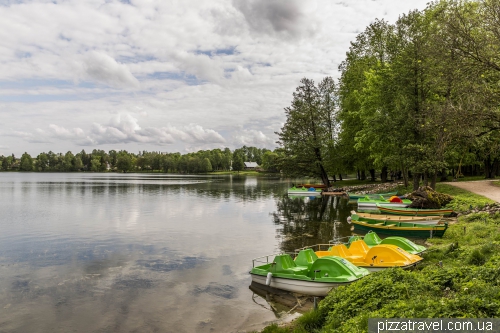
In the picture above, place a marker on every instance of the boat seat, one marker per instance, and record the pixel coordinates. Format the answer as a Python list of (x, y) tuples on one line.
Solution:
[(359, 248), (306, 258), (283, 263), (340, 250)]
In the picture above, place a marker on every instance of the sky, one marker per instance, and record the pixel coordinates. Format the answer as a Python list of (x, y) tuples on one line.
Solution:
[(166, 75)]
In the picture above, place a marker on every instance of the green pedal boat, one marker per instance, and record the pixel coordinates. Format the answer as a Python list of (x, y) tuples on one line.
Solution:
[(307, 274)]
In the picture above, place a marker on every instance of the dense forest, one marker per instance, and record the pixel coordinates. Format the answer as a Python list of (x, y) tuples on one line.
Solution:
[(122, 161), (418, 99)]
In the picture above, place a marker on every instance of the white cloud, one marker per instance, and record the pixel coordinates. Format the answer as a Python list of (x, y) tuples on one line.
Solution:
[(253, 138), (146, 74), (124, 128), (104, 69)]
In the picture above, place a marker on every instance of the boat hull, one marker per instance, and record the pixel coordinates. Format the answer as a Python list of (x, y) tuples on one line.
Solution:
[(373, 205), (389, 209), (386, 219), (415, 231), (298, 286), (380, 268), (354, 196), (305, 193)]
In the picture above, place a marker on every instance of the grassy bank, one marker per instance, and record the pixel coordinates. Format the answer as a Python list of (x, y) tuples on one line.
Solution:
[(459, 277)]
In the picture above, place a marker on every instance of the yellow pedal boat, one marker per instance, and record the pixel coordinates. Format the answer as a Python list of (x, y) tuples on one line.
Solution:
[(375, 258)]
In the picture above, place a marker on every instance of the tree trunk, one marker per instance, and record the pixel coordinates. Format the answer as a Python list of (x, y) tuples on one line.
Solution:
[(324, 176), (426, 179), (340, 177), (383, 174), (489, 168), (434, 180), (372, 174), (416, 181), (405, 176), (334, 178), (363, 175)]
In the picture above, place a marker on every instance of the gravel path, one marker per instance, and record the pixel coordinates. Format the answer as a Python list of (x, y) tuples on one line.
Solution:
[(482, 187)]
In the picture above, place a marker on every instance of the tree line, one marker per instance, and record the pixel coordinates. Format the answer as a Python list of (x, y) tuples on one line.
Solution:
[(419, 98), (122, 161)]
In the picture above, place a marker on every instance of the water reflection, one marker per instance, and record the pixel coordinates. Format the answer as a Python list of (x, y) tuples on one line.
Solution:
[(307, 221), (119, 252)]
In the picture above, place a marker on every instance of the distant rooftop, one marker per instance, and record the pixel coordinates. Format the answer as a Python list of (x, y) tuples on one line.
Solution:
[(251, 165)]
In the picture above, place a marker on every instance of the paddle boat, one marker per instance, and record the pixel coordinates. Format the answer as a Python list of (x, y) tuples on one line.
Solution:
[(381, 218), (390, 209), (402, 228), (393, 201), (373, 259), (307, 274), (372, 239), (311, 191), (356, 196)]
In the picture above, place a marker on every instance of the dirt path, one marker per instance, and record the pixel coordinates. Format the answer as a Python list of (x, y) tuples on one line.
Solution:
[(482, 187)]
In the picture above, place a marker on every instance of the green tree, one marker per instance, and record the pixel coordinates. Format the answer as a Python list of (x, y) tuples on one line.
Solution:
[(307, 128), (42, 162), (95, 163), (26, 162), (123, 162), (238, 163), (206, 165)]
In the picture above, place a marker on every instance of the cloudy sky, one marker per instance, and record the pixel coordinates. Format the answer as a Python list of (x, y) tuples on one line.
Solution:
[(165, 75)]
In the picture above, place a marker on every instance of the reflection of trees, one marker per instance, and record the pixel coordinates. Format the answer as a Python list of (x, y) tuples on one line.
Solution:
[(307, 221), (216, 187)]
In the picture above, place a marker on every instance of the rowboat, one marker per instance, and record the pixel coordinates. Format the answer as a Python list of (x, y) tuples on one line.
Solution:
[(304, 191), (372, 239), (312, 185), (374, 195), (373, 259), (399, 218), (403, 228), (367, 202), (381, 218), (307, 274), (389, 209)]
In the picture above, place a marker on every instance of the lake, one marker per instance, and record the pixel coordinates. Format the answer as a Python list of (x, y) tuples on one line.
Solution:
[(90, 252)]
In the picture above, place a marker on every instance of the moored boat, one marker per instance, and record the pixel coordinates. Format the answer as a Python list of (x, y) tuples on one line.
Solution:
[(368, 202), (353, 196), (389, 209), (399, 218), (373, 259), (403, 228), (387, 219), (372, 239), (312, 185), (307, 274), (304, 191)]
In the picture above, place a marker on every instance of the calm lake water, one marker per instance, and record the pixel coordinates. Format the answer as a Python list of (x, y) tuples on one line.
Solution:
[(147, 252)]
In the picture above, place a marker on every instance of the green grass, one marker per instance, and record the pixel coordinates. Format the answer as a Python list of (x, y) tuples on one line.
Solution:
[(463, 199)]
